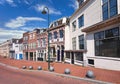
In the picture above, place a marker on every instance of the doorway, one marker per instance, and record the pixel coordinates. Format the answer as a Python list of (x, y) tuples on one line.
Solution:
[(72, 57)]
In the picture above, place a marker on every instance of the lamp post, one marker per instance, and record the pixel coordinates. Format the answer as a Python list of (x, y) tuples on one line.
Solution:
[(45, 12)]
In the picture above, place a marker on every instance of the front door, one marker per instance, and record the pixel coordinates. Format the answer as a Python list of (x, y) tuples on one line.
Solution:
[(72, 57), (58, 55), (62, 55)]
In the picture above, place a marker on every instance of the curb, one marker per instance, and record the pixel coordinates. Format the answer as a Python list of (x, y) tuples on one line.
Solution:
[(57, 74)]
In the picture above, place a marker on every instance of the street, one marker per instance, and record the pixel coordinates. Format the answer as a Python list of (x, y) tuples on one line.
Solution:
[(13, 76)]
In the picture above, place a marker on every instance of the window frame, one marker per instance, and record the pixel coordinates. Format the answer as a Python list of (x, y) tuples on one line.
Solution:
[(61, 33), (109, 44), (74, 43), (81, 21), (55, 35), (81, 41), (109, 12), (74, 25)]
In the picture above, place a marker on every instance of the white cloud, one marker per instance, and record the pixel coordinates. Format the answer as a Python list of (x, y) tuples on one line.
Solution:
[(74, 4), (10, 2), (27, 28), (30, 28), (8, 34), (21, 21), (51, 10)]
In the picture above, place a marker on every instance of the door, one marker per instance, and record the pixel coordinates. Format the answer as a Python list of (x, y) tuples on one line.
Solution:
[(62, 55), (58, 55), (21, 57), (72, 57)]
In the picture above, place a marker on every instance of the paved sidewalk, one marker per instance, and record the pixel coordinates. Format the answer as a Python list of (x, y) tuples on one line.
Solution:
[(20, 76), (79, 71)]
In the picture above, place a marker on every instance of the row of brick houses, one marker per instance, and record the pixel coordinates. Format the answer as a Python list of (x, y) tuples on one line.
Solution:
[(35, 43), (90, 37)]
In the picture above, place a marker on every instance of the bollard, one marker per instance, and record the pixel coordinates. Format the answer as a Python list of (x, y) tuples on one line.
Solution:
[(90, 74), (39, 67), (67, 71), (30, 67), (51, 69), (23, 67)]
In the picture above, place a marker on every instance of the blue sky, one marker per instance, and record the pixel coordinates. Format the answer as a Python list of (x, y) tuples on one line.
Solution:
[(19, 16)]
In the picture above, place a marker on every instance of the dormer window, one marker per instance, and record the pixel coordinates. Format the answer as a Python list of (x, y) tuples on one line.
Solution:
[(80, 2), (51, 26), (59, 22), (55, 24)]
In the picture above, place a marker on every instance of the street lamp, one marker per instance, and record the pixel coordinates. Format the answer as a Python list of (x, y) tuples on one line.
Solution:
[(45, 12)]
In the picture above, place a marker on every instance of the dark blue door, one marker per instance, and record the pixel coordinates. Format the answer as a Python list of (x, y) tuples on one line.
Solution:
[(58, 55), (62, 55), (72, 57), (21, 56)]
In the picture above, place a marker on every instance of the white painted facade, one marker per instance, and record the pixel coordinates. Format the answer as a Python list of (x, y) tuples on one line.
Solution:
[(92, 12), (90, 18), (16, 49)]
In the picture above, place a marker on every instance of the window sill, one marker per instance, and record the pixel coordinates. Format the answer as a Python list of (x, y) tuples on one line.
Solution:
[(107, 58)]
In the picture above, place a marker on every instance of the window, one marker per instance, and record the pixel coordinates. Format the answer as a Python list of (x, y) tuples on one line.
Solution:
[(59, 22), (81, 21), (61, 33), (68, 55), (80, 2), (81, 42), (31, 36), (111, 32), (79, 56), (34, 45), (109, 8), (38, 42), (55, 35), (74, 43), (50, 36), (55, 24), (91, 61), (43, 42), (25, 38), (107, 43), (74, 26)]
